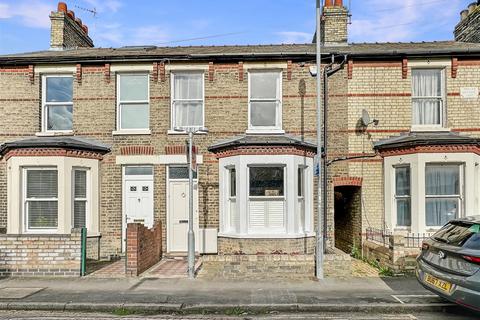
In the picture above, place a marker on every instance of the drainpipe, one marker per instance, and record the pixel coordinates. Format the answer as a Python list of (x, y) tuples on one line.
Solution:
[(328, 71)]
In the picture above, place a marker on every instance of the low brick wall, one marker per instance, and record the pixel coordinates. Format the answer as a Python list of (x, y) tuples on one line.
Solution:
[(258, 267), (144, 247), (40, 255), (337, 264), (395, 255), (238, 246)]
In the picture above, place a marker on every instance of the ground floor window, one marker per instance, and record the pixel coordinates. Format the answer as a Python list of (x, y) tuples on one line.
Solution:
[(425, 191), (266, 196), (41, 198), (80, 202)]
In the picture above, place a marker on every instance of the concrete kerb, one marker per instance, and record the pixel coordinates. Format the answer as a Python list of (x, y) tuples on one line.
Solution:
[(224, 308)]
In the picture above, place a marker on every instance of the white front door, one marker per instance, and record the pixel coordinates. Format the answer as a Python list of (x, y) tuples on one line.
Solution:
[(178, 209), (139, 202), (137, 197)]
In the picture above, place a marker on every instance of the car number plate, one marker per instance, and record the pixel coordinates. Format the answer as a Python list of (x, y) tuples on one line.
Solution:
[(437, 283)]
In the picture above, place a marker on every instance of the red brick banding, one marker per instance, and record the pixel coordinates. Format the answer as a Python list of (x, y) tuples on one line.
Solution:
[(137, 150), (106, 72), (454, 67), (461, 148), (265, 150), (289, 70), (347, 181), (162, 71), (240, 71), (404, 68), (350, 69), (178, 149), (31, 73), (211, 71), (52, 152), (155, 72), (78, 73)]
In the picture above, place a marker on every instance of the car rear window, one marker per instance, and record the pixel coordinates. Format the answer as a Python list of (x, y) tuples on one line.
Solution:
[(460, 234)]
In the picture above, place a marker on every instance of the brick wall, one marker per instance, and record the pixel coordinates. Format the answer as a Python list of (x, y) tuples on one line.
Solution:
[(266, 246), (67, 31), (40, 255), (144, 247)]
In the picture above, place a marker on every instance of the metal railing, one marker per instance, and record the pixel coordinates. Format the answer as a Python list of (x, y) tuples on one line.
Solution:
[(414, 240), (378, 235)]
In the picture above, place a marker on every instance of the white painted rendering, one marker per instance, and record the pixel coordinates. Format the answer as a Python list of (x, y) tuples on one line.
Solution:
[(155, 159), (129, 67), (291, 202), (65, 166), (417, 163)]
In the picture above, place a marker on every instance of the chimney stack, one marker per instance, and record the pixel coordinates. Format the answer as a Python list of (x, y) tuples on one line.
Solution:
[(468, 29), (334, 23), (67, 32)]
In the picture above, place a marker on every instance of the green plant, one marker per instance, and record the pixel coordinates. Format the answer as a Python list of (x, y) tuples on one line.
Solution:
[(355, 252), (236, 311), (122, 312), (385, 271)]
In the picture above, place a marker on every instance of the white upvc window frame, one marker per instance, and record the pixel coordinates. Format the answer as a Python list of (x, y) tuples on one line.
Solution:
[(278, 100), (46, 105), (119, 102), (25, 200), (401, 197), (173, 99), (242, 163), (442, 98), (458, 197), (87, 195)]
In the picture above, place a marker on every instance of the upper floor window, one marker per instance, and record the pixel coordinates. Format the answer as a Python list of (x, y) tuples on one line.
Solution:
[(133, 109), (187, 99), (428, 96), (265, 100), (57, 103)]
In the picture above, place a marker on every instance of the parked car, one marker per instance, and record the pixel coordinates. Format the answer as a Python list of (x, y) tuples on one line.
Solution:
[(449, 263)]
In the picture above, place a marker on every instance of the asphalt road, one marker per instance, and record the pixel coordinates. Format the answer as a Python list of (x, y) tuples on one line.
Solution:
[(453, 314)]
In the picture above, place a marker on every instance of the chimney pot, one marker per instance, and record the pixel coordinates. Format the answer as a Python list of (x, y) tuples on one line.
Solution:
[(328, 3), (85, 28), (71, 14), (79, 21), (471, 7), (463, 14), (62, 7), (338, 3)]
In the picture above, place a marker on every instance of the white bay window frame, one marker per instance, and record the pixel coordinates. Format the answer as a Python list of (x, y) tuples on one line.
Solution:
[(242, 164), (277, 128), (46, 105), (469, 177), (175, 100), (85, 199), (120, 103)]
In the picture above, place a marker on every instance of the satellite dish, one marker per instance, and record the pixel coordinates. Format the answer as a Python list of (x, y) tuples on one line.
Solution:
[(365, 118)]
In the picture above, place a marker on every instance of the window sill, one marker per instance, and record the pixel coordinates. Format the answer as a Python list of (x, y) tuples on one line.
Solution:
[(265, 131), (131, 132), (267, 236), (173, 132), (429, 129), (54, 133)]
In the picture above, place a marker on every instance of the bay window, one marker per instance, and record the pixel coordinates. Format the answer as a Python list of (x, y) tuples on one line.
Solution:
[(266, 199), (57, 103), (442, 193), (428, 97), (133, 109), (265, 100), (80, 198), (187, 99), (403, 196), (40, 198), (266, 196)]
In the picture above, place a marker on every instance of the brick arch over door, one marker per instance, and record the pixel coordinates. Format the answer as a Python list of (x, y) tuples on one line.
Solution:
[(347, 181)]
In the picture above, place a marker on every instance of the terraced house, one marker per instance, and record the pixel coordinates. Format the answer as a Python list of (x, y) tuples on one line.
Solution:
[(90, 139)]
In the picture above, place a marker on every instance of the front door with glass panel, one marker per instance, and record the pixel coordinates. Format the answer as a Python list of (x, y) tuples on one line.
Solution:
[(138, 196), (178, 209)]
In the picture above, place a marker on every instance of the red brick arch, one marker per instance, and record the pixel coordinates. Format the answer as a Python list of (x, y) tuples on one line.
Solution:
[(347, 181)]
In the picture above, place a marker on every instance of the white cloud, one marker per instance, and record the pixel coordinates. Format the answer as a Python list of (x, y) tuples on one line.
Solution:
[(409, 20), (29, 13), (295, 37)]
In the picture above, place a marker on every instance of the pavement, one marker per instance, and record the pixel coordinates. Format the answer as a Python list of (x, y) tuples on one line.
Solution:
[(156, 296)]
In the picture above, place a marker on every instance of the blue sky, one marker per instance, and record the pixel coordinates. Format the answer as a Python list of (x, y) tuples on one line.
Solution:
[(24, 24)]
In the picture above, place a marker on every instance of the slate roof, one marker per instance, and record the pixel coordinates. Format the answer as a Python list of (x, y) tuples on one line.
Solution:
[(67, 142), (262, 140), (413, 139), (150, 53)]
